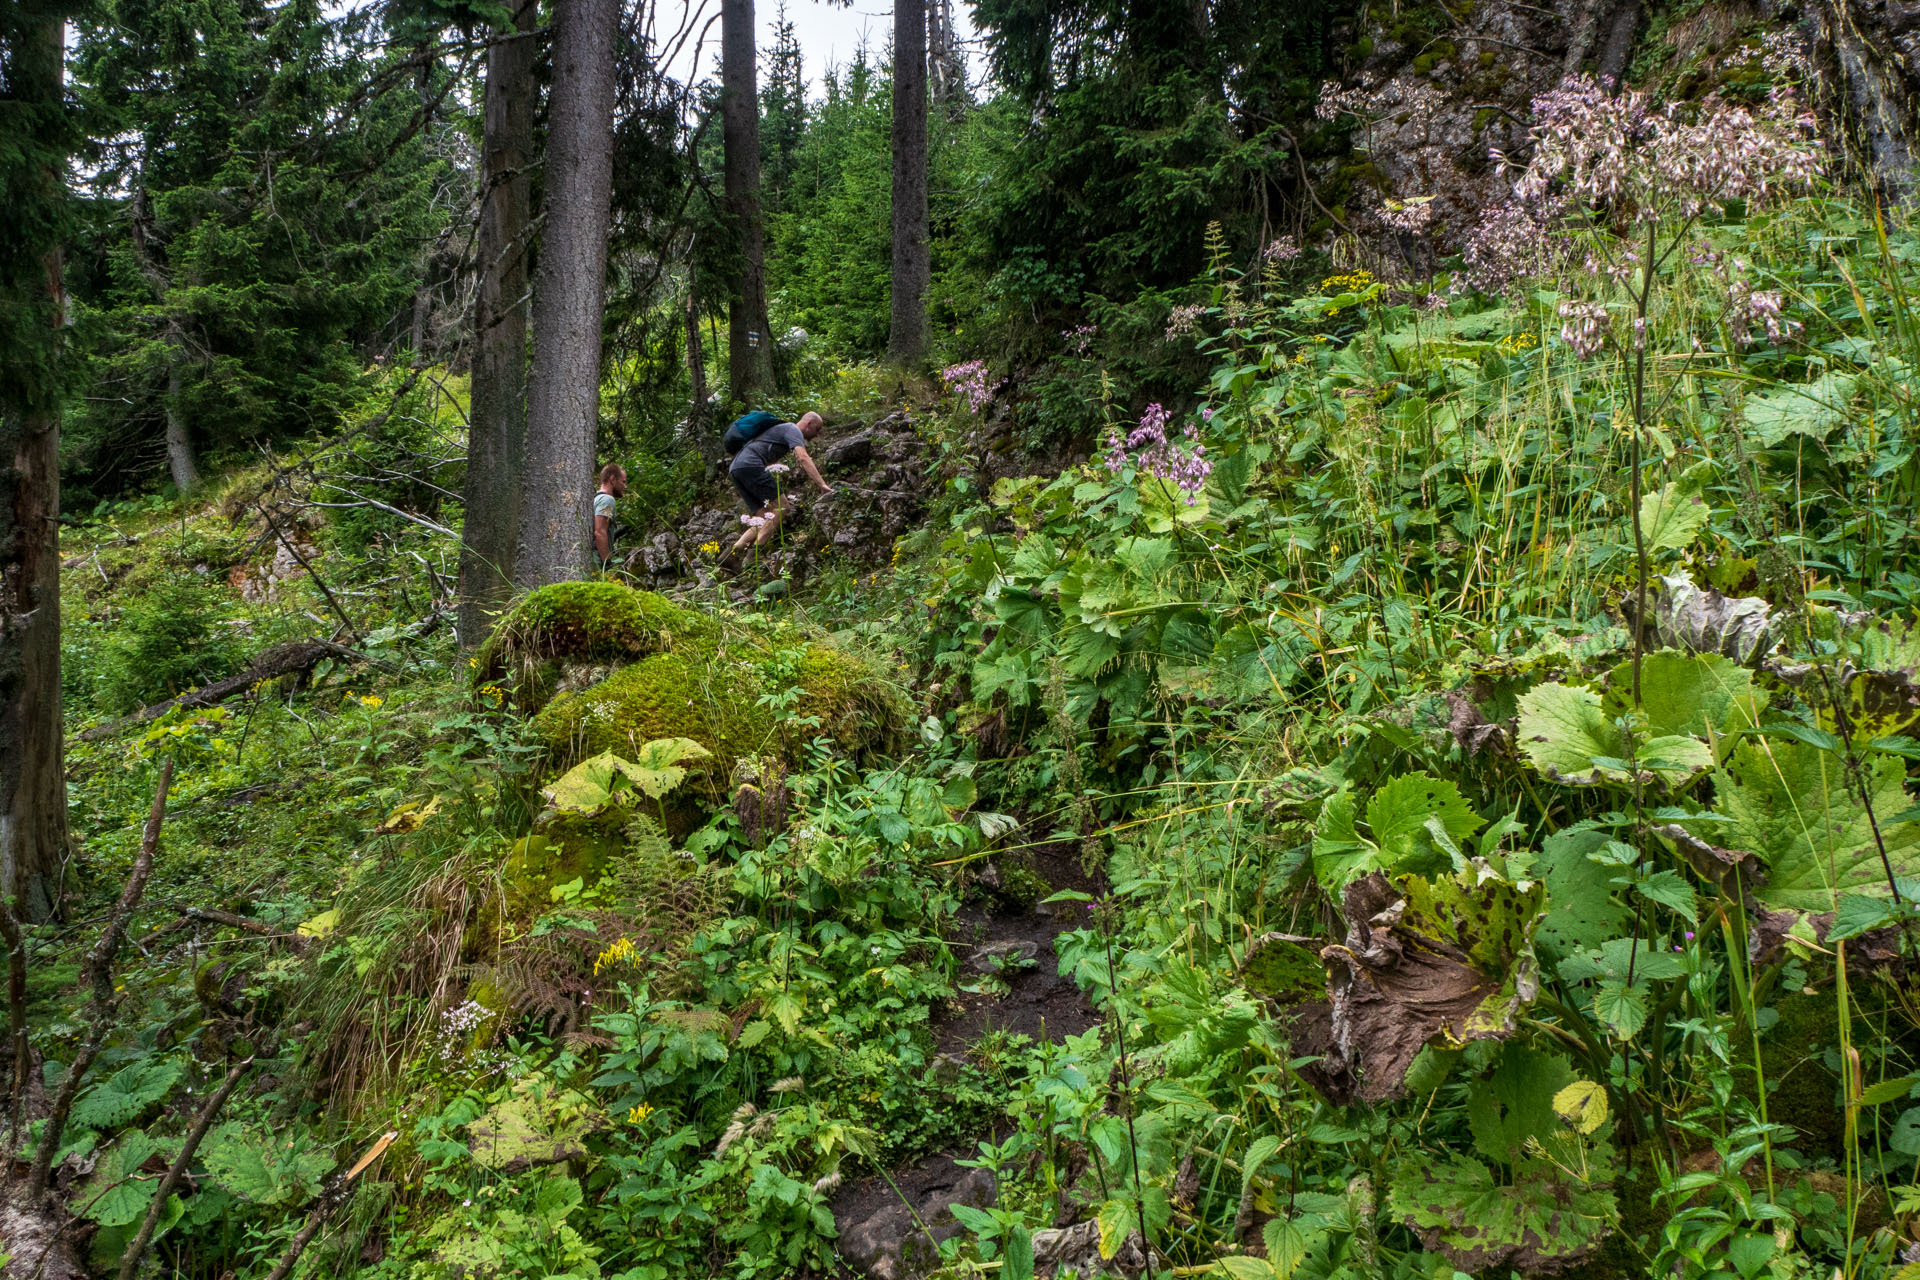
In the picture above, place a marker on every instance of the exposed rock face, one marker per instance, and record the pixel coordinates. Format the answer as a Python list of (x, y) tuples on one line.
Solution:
[(1866, 59), (1434, 109), (896, 1242)]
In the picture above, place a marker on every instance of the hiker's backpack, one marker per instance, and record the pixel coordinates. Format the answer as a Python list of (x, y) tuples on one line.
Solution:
[(745, 428)]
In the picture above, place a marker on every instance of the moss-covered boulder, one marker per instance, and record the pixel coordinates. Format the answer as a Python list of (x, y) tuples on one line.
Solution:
[(715, 698), (583, 624)]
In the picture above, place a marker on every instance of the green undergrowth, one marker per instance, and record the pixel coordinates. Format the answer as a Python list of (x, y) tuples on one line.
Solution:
[(1432, 925)]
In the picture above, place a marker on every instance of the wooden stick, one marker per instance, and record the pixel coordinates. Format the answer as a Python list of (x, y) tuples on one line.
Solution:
[(130, 1260), (100, 1012)]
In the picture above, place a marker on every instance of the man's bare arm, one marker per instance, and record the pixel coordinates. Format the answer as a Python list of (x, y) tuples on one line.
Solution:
[(813, 472), (603, 536)]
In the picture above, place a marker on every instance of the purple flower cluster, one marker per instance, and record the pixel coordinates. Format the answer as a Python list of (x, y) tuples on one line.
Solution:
[(1748, 309), (1595, 147), (1182, 463), (1585, 327), (1080, 338), (970, 382), (1511, 241), (1281, 249), (1184, 320)]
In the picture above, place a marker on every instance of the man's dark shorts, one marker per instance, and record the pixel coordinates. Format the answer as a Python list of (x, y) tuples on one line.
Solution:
[(756, 486)]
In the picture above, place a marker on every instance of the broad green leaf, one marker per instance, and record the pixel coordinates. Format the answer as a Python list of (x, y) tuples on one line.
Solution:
[(1700, 695), (1259, 1151), (1287, 1246), (1017, 1254), (1563, 730), (1515, 1103), (656, 768), (112, 1195), (1413, 823), (1460, 1210), (125, 1094), (1671, 891), (1790, 805), (1671, 518), (1811, 409), (1400, 810), (1244, 1268), (534, 1126), (1117, 1220), (1621, 1007), (1749, 1252), (588, 787), (265, 1168), (1582, 911)]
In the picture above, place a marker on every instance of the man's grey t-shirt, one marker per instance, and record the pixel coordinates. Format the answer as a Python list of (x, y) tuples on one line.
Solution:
[(767, 448)]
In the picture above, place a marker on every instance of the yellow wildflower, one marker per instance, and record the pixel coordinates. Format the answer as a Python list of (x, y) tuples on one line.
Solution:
[(639, 1114), (710, 548), (372, 700), (619, 952), (1351, 282)]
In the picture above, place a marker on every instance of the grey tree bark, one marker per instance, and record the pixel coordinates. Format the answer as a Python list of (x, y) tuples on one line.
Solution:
[(497, 411), (749, 345), (912, 255), (180, 463), (33, 787), (569, 297)]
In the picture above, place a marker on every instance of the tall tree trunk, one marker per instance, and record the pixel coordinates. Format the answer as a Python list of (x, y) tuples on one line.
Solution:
[(569, 297), (912, 261), (33, 786), (180, 463), (749, 345), (497, 411)]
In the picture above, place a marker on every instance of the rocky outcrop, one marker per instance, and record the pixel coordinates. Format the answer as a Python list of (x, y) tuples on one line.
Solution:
[(882, 478), (900, 1240)]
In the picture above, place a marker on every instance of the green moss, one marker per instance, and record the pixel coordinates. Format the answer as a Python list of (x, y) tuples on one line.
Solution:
[(714, 698), (1801, 1091), (584, 622)]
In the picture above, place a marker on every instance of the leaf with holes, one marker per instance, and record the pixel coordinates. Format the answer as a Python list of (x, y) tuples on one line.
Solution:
[(1542, 1224), (125, 1094), (264, 1168)]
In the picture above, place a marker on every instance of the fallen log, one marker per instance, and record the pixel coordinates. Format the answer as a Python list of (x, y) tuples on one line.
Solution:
[(298, 657)]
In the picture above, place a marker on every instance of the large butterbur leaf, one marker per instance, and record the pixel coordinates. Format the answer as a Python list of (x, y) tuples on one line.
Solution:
[(1567, 733), (1810, 409), (1542, 1223), (1672, 516), (1790, 804), (1413, 823), (1702, 695), (1436, 961), (262, 1167)]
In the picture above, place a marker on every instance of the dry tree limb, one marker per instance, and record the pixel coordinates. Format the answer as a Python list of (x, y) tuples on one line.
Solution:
[(246, 925), (130, 1260), (100, 1011), (297, 657), (338, 1190), (294, 551)]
